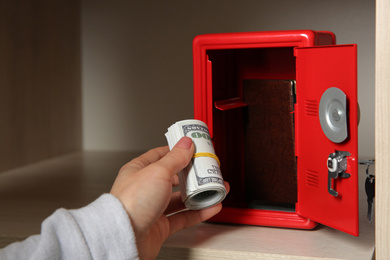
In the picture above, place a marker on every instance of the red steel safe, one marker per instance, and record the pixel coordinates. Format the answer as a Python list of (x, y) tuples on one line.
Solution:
[(281, 107)]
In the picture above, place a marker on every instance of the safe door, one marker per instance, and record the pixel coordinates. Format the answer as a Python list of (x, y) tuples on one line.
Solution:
[(326, 122)]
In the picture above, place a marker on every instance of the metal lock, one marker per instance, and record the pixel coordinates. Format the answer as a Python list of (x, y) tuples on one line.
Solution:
[(337, 165)]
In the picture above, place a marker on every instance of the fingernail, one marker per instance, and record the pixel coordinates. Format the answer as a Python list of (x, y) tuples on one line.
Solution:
[(185, 143)]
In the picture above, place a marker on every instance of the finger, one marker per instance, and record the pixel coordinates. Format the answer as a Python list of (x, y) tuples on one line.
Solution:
[(227, 186), (146, 159), (175, 204), (175, 180), (175, 160), (189, 218)]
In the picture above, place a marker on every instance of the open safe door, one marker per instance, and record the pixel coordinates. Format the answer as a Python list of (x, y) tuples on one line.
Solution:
[(326, 136)]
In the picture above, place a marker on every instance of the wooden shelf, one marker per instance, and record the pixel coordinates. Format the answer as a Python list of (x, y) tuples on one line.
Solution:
[(382, 128), (29, 194), (220, 241), (42, 117)]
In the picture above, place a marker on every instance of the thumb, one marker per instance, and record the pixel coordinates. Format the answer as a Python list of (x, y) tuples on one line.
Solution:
[(179, 157)]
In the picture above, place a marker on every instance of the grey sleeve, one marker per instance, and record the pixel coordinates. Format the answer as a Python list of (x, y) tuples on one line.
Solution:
[(101, 230)]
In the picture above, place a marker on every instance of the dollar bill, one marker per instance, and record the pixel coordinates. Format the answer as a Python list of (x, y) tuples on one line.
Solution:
[(201, 183)]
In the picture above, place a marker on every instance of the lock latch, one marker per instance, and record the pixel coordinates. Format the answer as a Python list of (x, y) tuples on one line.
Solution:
[(337, 166)]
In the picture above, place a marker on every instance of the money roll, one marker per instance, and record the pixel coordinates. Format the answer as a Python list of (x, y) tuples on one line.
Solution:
[(201, 183)]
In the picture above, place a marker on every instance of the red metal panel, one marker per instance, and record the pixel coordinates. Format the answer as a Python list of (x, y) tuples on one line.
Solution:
[(270, 218), (320, 68), (276, 46)]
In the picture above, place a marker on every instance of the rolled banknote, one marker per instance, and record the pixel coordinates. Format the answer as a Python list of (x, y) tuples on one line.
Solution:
[(201, 183)]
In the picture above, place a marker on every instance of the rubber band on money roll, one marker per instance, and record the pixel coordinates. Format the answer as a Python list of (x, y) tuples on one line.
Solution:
[(207, 155)]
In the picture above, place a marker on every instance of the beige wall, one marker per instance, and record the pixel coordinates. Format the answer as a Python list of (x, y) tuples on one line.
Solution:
[(137, 59), (40, 81)]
